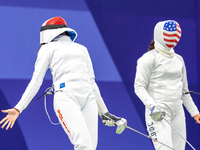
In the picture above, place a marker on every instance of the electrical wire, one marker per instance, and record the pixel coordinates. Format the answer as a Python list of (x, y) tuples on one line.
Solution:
[(49, 91)]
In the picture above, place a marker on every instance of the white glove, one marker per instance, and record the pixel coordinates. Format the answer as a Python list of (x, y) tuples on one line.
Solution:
[(157, 113), (109, 119)]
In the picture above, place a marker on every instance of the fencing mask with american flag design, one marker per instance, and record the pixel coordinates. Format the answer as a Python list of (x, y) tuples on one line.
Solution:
[(167, 33)]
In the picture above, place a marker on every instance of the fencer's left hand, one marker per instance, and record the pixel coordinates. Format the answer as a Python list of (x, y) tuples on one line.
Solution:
[(109, 119), (197, 118)]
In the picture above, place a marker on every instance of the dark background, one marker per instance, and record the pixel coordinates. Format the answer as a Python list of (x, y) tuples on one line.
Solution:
[(116, 34)]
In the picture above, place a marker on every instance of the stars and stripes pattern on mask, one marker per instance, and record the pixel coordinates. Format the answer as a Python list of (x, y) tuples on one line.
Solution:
[(171, 33)]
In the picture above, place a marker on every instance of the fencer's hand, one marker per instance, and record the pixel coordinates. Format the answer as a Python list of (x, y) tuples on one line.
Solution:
[(109, 119), (10, 119), (197, 118), (157, 113)]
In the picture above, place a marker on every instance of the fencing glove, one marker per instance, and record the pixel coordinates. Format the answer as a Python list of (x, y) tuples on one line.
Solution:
[(109, 119)]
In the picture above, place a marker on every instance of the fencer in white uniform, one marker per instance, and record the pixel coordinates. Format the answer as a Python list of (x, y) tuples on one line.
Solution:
[(160, 83), (77, 99)]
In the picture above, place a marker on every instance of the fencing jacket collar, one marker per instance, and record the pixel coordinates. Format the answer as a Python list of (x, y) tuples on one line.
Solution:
[(164, 51)]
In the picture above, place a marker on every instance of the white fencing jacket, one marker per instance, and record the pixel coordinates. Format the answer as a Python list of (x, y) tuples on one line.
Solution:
[(70, 64), (160, 79)]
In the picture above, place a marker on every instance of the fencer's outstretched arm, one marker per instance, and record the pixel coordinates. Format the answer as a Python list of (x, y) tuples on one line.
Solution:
[(41, 66), (10, 119)]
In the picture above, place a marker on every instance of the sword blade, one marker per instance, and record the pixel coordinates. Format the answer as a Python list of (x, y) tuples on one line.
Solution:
[(149, 137)]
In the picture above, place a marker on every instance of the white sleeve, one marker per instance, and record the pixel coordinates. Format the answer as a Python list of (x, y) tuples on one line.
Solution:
[(144, 68), (100, 102), (41, 65), (187, 99)]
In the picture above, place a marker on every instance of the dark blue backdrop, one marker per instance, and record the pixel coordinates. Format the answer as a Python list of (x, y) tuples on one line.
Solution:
[(116, 34)]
